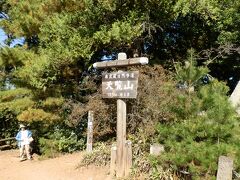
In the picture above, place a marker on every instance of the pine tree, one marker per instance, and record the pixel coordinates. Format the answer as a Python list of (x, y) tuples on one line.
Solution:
[(205, 126)]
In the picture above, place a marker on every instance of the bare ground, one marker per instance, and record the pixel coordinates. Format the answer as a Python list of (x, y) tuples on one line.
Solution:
[(61, 168)]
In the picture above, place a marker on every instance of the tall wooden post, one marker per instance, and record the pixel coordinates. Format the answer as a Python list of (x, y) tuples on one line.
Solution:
[(121, 85), (121, 131), (90, 131)]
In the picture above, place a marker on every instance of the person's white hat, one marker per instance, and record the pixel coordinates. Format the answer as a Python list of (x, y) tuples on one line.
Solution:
[(22, 126)]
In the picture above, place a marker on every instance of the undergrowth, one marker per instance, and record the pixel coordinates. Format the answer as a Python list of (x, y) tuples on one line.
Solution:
[(100, 156)]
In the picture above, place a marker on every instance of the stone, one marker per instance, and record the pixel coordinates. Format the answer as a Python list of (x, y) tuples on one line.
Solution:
[(225, 168), (235, 98), (156, 149)]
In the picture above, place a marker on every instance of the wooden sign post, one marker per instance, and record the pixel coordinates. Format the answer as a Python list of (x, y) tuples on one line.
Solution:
[(121, 131), (90, 131), (121, 85)]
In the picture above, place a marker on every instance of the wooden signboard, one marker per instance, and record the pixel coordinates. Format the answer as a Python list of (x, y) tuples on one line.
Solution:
[(121, 84)]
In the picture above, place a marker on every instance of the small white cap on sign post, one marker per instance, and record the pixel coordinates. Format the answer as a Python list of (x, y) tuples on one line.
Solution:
[(95, 65), (143, 60), (122, 56)]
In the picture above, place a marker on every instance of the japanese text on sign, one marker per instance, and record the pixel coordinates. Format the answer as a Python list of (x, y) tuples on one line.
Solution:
[(120, 84)]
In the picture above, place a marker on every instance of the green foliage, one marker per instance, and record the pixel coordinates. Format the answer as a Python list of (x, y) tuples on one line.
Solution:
[(17, 105), (52, 102), (209, 10), (36, 73), (60, 140), (28, 24), (14, 94), (205, 127), (223, 15), (32, 114), (53, 81), (189, 74), (121, 31), (48, 148), (100, 156), (14, 57), (62, 39), (62, 36), (200, 146), (8, 124), (158, 171), (67, 141)]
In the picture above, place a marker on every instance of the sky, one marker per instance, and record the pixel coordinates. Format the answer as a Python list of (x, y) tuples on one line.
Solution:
[(3, 37)]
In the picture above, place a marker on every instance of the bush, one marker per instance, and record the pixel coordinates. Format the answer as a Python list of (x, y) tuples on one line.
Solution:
[(48, 148), (205, 127), (145, 111), (188, 151), (59, 141), (8, 124), (100, 156)]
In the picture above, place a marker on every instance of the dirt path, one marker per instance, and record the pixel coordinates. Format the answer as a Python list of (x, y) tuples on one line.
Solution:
[(61, 168)]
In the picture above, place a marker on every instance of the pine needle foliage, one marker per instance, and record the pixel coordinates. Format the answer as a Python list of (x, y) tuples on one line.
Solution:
[(205, 127)]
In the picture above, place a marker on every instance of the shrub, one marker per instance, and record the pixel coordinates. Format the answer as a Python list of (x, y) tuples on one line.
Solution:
[(100, 156), (59, 141), (205, 126), (48, 148), (8, 124), (149, 108), (67, 141)]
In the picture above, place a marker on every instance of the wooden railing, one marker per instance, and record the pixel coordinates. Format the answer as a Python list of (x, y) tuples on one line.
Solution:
[(7, 143)]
